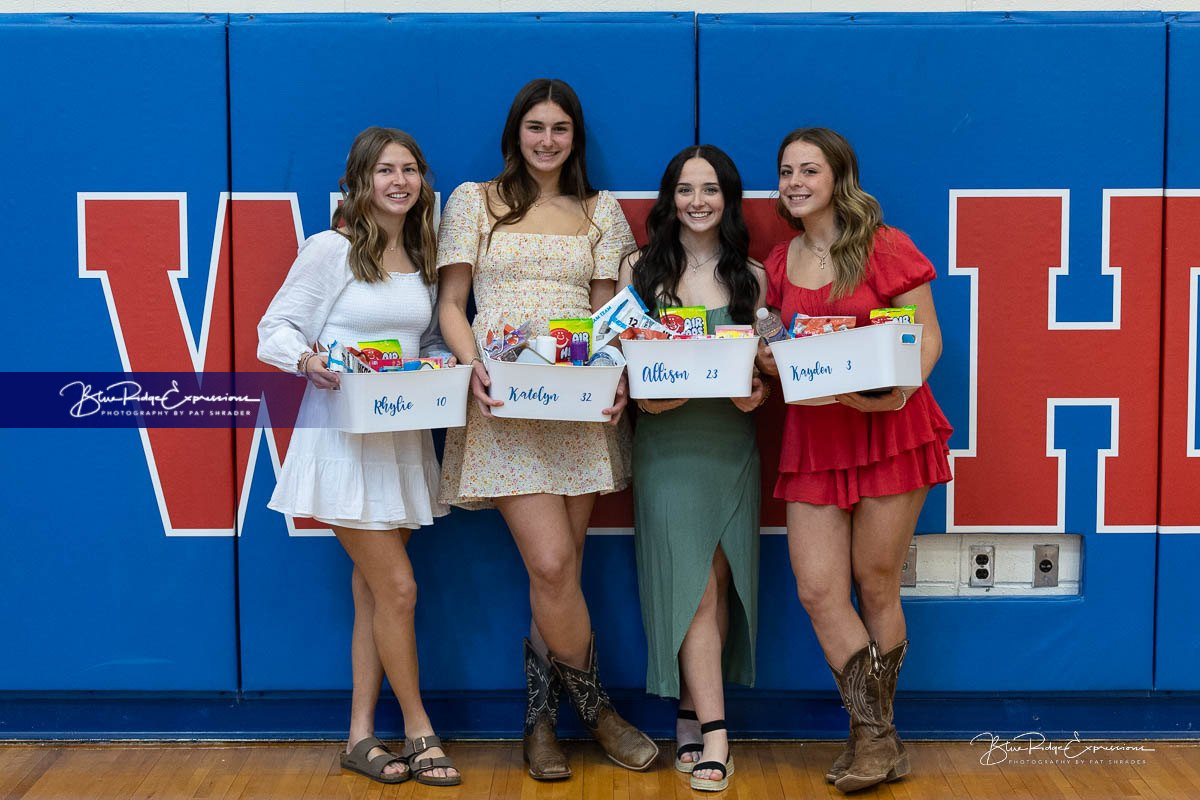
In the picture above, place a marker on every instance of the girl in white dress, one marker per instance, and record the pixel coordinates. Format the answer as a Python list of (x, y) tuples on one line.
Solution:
[(372, 276)]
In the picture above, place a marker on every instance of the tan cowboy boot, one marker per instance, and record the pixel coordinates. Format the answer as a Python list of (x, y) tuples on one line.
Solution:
[(876, 747), (622, 742), (892, 661), (543, 754)]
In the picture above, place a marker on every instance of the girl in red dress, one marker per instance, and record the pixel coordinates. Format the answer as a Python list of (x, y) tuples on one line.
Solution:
[(854, 473)]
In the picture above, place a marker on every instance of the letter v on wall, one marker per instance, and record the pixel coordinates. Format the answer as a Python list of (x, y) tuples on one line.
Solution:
[(136, 245)]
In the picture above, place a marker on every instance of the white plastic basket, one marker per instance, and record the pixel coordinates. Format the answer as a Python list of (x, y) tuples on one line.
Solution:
[(402, 401), (548, 391), (669, 368), (812, 369)]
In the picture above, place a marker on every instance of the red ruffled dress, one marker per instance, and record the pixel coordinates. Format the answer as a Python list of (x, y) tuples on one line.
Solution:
[(833, 454)]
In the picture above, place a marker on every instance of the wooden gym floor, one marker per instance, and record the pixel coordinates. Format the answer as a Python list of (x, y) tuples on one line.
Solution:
[(1169, 770)]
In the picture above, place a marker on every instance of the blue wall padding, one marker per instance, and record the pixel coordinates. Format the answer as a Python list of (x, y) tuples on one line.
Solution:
[(933, 103), (1177, 642), (95, 596)]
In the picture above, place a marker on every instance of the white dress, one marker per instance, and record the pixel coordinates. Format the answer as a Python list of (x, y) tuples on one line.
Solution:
[(373, 481)]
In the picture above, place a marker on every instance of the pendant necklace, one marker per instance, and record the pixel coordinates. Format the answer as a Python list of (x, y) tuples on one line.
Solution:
[(695, 265), (820, 251)]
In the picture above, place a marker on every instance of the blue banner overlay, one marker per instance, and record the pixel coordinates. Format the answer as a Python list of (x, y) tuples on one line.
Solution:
[(154, 399)]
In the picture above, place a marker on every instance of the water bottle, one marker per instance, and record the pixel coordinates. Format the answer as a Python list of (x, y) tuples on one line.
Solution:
[(769, 326)]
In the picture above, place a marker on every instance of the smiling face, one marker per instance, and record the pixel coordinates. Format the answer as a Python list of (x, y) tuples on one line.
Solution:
[(546, 137), (396, 181), (699, 202), (805, 180)]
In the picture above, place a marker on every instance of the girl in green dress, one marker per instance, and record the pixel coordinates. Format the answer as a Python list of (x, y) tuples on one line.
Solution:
[(696, 467)]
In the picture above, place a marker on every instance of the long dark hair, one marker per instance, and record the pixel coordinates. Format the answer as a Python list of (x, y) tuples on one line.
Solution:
[(857, 213), (663, 260), (516, 187), (355, 220)]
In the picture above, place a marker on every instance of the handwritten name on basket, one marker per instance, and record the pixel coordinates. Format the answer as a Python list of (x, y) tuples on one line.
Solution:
[(811, 373), (538, 395), (387, 407), (658, 373)]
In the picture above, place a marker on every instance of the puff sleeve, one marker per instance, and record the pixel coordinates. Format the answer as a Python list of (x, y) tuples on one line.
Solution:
[(613, 240), (462, 227), (898, 266), (297, 314)]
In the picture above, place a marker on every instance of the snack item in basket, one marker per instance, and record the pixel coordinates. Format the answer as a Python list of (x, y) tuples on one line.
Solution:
[(572, 339), (507, 343), (685, 320), (430, 362), (625, 308), (641, 334), (804, 325), (607, 356), (901, 314), (383, 355), (734, 331)]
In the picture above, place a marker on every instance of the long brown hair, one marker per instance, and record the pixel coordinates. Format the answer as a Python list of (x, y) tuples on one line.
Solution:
[(663, 261), (515, 186), (857, 213), (355, 220)]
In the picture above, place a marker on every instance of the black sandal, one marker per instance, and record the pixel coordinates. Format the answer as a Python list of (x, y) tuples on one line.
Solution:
[(356, 761), (683, 749), (419, 766), (708, 784)]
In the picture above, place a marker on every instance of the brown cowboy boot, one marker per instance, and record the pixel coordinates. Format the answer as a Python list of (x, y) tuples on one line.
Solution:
[(892, 661), (876, 748), (546, 759), (622, 742)]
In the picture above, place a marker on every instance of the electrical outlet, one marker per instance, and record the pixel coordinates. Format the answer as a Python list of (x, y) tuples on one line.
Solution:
[(908, 572), (1045, 565), (982, 566)]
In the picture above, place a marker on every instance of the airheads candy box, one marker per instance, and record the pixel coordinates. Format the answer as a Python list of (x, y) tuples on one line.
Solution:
[(685, 320), (572, 340), (804, 325), (382, 355), (902, 314)]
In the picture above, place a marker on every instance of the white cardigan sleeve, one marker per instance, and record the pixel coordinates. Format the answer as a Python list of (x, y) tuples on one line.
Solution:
[(298, 313)]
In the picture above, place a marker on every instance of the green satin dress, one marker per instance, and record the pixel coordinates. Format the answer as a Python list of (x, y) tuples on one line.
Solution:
[(696, 487)]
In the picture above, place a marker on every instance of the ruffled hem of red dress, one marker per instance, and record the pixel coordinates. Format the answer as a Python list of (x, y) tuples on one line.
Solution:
[(925, 465), (818, 438)]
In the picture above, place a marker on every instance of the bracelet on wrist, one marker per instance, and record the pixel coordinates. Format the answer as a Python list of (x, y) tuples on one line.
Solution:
[(903, 402), (302, 362)]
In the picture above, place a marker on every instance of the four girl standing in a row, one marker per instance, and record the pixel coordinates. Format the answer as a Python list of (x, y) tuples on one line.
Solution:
[(537, 243)]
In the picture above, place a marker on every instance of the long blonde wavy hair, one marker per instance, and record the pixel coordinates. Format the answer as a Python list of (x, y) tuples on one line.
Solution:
[(354, 217), (857, 213)]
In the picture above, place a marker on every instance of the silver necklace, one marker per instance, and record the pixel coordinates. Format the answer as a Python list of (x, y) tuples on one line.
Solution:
[(545, 199), (695, 265)]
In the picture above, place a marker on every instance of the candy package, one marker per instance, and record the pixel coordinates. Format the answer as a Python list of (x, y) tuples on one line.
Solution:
[(507, 343), (804, 325), (382, 355), (572, 340), (685, 320), (901, 314), (733, 331)]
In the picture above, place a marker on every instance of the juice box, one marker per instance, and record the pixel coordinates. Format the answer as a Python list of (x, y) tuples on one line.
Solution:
[(572, 340), (685, 320)]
